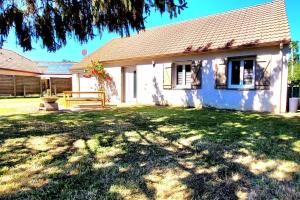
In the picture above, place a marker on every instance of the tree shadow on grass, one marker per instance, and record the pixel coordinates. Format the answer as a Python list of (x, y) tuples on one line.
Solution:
[(150, 153)]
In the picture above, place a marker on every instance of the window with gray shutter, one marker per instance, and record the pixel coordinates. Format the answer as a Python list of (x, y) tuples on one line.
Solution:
[(183, 75)]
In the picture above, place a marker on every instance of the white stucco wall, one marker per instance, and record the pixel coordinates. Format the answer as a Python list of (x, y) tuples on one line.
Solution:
[(115, 90), (150, 83), (80, 83), (75, 85)]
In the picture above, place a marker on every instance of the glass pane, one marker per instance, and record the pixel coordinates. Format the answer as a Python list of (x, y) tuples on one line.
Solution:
[(179, 68), (188, 74), (179, 75), (235, 73), (248, 72), (188, 68)]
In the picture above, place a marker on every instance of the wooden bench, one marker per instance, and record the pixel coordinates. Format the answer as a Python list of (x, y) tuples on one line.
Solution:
[(69, 97)]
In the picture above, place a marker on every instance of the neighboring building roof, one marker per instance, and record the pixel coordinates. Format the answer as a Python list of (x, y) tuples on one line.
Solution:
[(13, 61), (256, 25), (55, 67)]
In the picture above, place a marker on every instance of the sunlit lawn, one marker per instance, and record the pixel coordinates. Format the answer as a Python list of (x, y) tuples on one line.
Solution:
[(147, 153)]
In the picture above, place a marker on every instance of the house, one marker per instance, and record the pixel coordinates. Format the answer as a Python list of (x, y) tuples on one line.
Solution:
[(233, 60), (22, 76), (18, 75), (56, 76)]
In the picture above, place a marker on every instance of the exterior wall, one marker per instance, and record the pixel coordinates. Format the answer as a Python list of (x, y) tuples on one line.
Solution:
[(114, 93), (75, 82), (151, 91), (150, 83)]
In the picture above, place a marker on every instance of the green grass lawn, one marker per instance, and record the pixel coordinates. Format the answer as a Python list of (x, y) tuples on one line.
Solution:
[(10, 105), (147, 153)]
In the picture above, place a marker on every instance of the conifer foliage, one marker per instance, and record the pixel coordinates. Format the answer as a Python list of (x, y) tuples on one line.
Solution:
[(53, 21)]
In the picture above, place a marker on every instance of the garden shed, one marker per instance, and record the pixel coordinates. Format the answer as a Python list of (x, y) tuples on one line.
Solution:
[(18, 75)]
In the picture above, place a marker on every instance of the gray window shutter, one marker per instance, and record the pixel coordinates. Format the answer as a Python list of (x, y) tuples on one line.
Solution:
[(196, 74), (221, 75), (263, 74), (167, 77)]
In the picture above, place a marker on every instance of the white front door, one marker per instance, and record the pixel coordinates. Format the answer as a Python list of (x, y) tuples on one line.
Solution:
[(130, 84)]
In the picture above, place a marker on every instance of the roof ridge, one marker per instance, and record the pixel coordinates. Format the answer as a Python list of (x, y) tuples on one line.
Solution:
[(202, 17), (43, 61)]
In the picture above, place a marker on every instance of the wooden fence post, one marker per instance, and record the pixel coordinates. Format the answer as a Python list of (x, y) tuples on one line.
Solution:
[(24, 90), (41, 87), (50, 83), (15, 87), (55, 89)]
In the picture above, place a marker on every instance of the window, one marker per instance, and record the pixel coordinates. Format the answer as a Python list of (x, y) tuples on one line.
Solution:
[(188, 74), (241, 73), (183, 75)]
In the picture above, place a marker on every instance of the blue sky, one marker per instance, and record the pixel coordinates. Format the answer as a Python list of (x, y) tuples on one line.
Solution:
[(196, 8)]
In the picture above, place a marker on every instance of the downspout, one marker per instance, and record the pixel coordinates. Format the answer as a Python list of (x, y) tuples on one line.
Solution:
[(281, 76)]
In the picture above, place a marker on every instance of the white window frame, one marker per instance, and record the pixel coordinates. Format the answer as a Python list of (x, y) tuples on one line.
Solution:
[(184, 85), (241, 84)]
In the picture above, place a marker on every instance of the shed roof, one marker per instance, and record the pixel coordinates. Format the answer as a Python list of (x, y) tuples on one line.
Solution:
[(13, 61)]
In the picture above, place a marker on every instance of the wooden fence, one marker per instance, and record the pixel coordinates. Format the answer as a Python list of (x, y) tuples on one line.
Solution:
[(58, 85), (7, 85), (12, 85)]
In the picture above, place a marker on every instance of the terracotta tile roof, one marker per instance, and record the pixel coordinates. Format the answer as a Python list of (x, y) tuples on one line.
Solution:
[(13, 61), (260, 24)]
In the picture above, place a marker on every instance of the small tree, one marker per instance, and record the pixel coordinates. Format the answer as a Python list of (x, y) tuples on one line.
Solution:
[(294, 78), (294, 64), (97, 71)]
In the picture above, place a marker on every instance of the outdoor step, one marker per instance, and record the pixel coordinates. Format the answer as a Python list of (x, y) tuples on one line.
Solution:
[(87, 105)]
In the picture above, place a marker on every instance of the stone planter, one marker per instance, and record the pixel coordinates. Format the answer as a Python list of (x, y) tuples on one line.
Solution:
[(49, 103), (49, 99), (293, 104)]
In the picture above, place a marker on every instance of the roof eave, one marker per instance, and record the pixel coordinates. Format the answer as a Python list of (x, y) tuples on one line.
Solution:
[(221, 49), (17, 70), (49, 74)]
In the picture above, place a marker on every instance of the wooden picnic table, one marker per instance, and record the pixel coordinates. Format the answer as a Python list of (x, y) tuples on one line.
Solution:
[(69, 96)]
